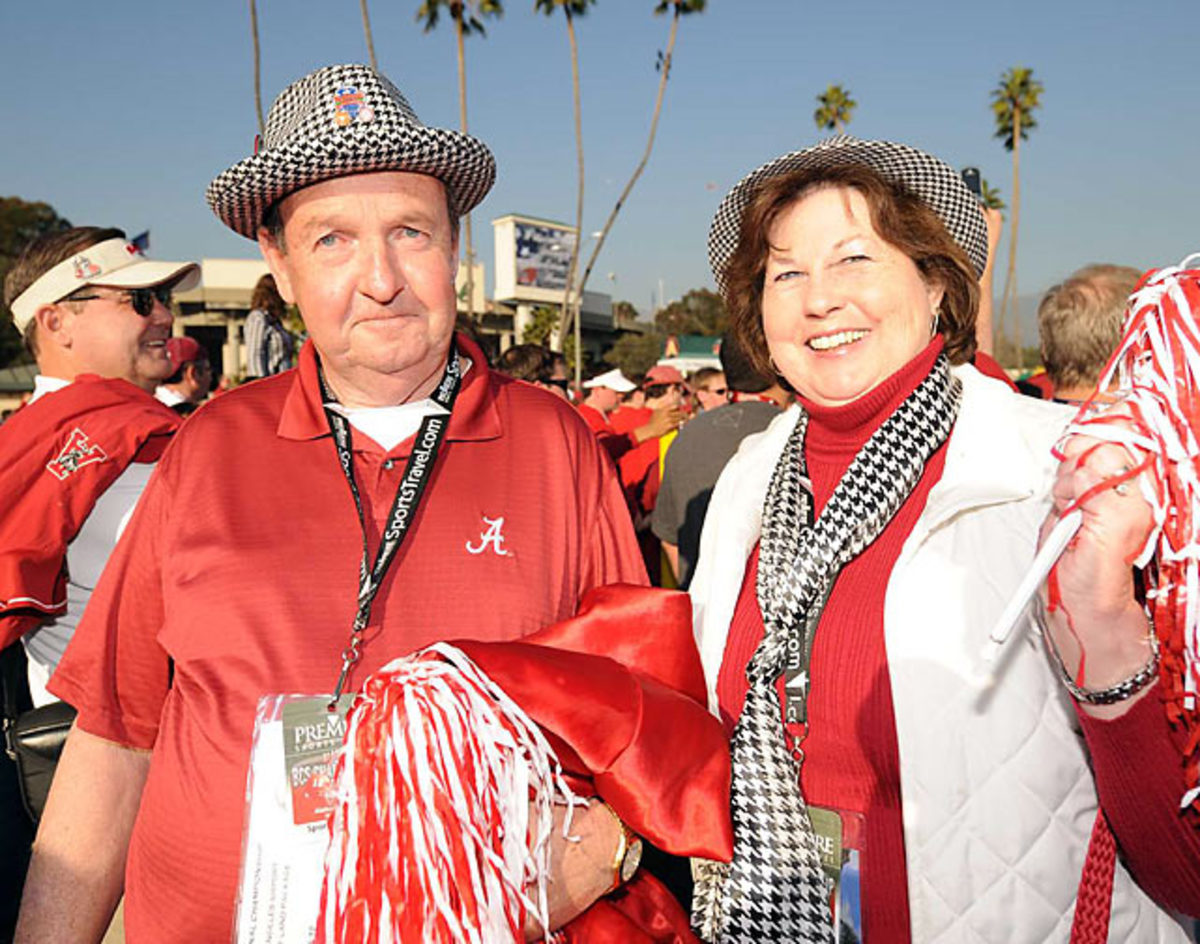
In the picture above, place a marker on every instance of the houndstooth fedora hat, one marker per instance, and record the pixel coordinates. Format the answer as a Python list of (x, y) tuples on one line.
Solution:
[(932, 180), (338, 121)]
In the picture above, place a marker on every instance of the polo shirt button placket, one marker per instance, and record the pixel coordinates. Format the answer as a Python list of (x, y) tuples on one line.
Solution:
[(389, 464)]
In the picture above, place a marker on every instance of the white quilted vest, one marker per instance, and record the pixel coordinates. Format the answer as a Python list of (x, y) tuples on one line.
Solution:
[(998, 800)]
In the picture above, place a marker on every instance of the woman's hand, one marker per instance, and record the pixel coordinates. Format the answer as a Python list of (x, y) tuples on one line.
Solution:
[(1095, 575)]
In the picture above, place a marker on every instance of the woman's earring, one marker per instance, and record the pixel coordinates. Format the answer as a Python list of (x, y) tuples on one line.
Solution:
[(937, 312)]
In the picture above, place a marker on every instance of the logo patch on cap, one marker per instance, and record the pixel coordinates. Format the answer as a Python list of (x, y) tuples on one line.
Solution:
[(350, 107), (85, 268)]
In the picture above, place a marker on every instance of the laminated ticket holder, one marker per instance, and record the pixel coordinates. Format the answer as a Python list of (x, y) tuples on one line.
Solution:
[(297, 735)]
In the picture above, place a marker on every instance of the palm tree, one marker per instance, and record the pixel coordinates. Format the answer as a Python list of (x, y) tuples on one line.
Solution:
[(1013, 103), (836, 108), (572, 9), (679, 8), (257, 67), (991, 196), (367, 31), (466, 16)]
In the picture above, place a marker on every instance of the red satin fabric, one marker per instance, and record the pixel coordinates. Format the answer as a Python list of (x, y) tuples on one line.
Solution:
[(643, 912), (638, 726), (619, 692)]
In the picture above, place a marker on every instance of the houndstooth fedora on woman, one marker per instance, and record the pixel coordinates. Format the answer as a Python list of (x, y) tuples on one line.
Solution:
[(933, 181), (342, 120)]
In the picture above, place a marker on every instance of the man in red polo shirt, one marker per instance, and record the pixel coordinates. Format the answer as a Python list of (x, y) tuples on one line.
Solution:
[(251, 566)]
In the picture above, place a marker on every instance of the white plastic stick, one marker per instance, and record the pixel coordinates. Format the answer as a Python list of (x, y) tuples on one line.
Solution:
[(1049, 553)]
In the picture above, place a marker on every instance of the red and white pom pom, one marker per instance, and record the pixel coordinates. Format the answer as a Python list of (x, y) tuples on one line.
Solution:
[(1157, 368), (434, 788)]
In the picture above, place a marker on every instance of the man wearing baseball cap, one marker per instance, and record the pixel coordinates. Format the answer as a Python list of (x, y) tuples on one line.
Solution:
[(191, 379), (604, 393), (95, 314), (304, 530)]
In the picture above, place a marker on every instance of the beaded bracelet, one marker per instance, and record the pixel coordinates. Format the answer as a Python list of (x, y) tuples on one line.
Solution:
[(1115, 693)]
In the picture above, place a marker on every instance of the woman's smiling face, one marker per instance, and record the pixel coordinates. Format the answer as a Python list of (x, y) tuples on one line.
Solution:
[(842, 309)]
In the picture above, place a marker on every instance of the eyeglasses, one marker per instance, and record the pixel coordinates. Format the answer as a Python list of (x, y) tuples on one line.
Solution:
[(140, 299), (717, 391), (658, 390), (561, 382)]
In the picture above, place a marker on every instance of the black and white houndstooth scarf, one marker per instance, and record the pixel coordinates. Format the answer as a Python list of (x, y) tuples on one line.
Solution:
[(775, 890)]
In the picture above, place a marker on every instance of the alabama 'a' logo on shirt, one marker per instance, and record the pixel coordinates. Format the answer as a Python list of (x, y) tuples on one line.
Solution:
[(78, 452)]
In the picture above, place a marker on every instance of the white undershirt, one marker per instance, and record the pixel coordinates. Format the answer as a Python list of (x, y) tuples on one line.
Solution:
[(391, 425)]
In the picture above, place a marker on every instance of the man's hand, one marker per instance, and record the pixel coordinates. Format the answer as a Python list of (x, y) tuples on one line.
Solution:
[(662, 421), (581, 867), (1094, 574), (77, 873)]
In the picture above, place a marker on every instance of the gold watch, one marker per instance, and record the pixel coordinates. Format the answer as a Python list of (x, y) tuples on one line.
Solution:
[(629, 852)]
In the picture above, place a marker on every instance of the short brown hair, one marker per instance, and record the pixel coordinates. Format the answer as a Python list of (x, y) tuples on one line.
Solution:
[(1079, 321), (41, 255), (900, 218)]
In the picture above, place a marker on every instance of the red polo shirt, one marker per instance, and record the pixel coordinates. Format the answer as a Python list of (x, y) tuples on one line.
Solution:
[(240, 567)]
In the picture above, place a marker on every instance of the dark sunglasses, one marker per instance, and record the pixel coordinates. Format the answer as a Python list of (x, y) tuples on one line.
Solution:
[(717, 391), (559, 382), (140, 299), (658, 390)]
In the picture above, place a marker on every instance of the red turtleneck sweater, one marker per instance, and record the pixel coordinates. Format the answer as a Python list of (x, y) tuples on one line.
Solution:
[(851, 758), (851, 754)]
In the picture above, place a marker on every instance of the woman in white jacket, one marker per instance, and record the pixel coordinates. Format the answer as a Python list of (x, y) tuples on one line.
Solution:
[(856, 555)]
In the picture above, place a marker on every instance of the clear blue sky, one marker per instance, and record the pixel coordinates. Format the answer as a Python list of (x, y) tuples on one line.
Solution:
[(121, 113)]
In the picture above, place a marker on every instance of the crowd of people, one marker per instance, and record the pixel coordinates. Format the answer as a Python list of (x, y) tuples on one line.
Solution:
[(848, 502)]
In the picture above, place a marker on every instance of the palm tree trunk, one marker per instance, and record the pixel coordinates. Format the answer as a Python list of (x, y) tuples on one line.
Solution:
[(257, 67), (462, 117), (568, 305), (367, 31), (1011, 280), (637, 171)]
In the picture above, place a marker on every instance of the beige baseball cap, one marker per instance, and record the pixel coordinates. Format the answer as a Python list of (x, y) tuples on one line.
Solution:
[(114, 263)]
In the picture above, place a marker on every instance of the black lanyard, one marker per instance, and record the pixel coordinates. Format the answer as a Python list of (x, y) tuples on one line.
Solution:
[(404, 507)]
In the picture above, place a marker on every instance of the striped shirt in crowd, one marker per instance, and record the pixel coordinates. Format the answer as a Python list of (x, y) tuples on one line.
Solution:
[(269, 346)]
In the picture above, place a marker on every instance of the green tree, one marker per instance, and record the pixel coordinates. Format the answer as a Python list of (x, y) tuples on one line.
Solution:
[(635, 354), (572, 9), (1014, 100), (991, 196), (678, 8), (366, 18), (698, 312), (624, 314), (257, 66), (20, 223), (541, 325), (835, 107), (466, 16)]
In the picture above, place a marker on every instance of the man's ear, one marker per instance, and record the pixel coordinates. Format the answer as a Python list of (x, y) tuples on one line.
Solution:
[(53, 325), (276, 258)]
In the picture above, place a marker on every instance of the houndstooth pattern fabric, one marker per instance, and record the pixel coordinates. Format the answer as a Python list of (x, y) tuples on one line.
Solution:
[(311, 135), (934, 181), (774, 889)]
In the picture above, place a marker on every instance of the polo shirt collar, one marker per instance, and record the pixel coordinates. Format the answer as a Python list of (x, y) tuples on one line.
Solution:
[(475, 417)]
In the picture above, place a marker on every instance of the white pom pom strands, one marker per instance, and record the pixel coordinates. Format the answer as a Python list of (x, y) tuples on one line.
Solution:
[(1157, 367), (435, 787)]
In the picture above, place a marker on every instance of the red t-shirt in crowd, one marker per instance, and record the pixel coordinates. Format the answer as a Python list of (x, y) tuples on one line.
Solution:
[(639, 466), (239, 573)]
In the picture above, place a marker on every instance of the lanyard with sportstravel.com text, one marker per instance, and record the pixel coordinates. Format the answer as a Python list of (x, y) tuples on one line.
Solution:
[(404, 507)]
